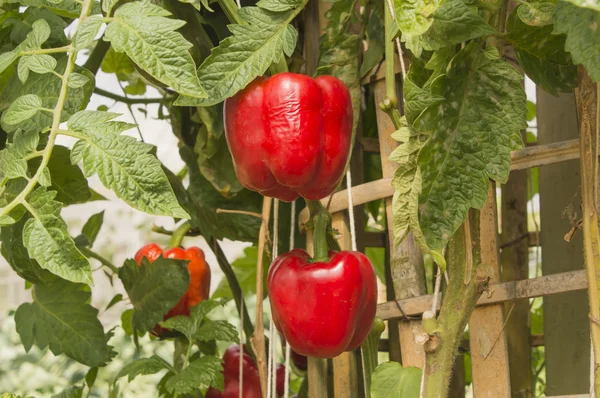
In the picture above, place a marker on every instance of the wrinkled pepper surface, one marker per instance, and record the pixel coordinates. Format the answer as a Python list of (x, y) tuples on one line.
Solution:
[(290, 135), (250, 379), (199, 287), (323, 308)]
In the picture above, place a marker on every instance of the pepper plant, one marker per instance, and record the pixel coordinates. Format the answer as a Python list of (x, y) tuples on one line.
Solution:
[(463, 108)]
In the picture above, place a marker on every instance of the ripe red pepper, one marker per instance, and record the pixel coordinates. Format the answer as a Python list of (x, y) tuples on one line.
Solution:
[(199, 287), (290, 135), (323, 308), (250, 379)]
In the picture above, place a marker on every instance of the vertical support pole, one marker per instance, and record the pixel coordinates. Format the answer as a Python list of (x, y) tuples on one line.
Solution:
[(317, 367), (345, 379), (587, 97), (489, 354), (406, 261), (566, 323), (515, 266)]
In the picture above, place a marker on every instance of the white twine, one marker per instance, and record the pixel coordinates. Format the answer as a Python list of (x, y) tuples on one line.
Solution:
[(287, 346), (402, 66), (351, 209), (241, 380), (272, 372)]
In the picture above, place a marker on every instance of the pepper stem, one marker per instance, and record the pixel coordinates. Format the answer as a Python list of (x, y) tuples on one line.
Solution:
[(179, 234), (321, 220)]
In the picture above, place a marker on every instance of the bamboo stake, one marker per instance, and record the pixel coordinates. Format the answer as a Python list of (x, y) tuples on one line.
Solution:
[(587, 99), (258, 338)]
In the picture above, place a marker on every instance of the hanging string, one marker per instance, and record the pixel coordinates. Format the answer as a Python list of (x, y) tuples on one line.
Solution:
[(272, 368), (351, 209), (354, 248), (287, 346), (402, 66), (241, 332)]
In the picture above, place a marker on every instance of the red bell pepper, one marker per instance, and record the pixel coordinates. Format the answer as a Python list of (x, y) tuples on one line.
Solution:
[(323, 308), (290, 135), (250, 378), (199, 287)]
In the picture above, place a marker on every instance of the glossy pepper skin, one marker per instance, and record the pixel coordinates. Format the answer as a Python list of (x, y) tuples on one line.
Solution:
[(251, 381), (290, 135), (199, 287), (323, 308)]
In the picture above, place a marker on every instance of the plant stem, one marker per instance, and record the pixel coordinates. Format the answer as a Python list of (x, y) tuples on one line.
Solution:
[(459, 301), (230, 9), (321, 220), (56, 120), (234, 285), (92, 254), (179, 234), (390, 75), (96, 57), (55, 50), (258, 338), (127, 100)]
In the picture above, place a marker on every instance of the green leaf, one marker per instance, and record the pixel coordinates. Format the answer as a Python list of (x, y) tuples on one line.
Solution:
[(207, 200), (142, 31), (61, 318), (68, 180), (16, 255), (23, 108), (244, 268), (390, 379), (90, 377), (407, 185), (591, 4), (542, 55), (154, 288), (21, 28), (38, 36), (583, 41), (7, 59), (144, 366), (47, 87), (536, 13), (418, 99), (114, 301), (92, 227), (236, 61), (197, 4), (6, 220), (65, 8), (108, 5), (87, 32), (45, 179), (206, 371), (217, 330), (70, 392), (188, 325), (77, 80), (454, 22), (127, 321), (278, 5), (375, 39), (122, 163), (38, 63), (47, 240), (415, 17), (474, 131)]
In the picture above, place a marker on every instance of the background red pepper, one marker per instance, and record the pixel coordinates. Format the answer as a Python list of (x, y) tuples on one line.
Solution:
[(290, 135), (251, 381), (199, 287), (323, 308)]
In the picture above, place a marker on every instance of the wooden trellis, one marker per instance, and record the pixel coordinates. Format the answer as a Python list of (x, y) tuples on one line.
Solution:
[(490, 371)]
